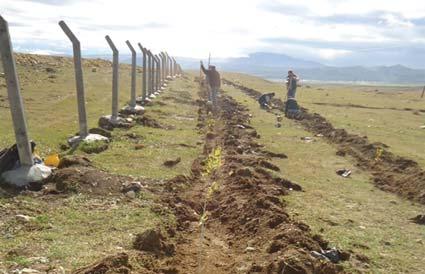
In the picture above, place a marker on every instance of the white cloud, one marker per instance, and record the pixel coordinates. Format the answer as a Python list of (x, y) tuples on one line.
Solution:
[(196, 27), (329, 54)]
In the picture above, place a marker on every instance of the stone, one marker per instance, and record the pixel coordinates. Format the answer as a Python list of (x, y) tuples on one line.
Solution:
[(101, 131), (131, 186), (24, 218), (249, 249), (50, 70), (131, 194)]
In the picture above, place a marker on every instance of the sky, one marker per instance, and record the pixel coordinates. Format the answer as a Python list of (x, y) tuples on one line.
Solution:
[(333, 32)]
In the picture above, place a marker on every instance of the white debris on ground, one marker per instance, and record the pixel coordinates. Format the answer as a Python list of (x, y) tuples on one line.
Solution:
[(90, 138), (137, 109)]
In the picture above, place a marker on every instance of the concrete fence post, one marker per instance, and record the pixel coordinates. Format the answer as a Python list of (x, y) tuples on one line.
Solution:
[(167, 68), (174, 67), (152, 74), (14, 95), (158, 73), (162, 68), (148, 72), (133, 74), (155, 74), (115, 75), (145, 70), (82, 116), (171, 67)]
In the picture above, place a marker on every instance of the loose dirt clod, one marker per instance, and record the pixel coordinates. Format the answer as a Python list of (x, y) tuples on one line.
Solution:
[(74, 161), (171, 163), (149, 122), (420, 219)]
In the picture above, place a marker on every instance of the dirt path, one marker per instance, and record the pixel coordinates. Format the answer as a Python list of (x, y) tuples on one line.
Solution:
[(389, 172)]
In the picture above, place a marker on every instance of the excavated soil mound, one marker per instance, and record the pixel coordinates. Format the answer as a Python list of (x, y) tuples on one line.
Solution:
[(389, 171), (77, 175), (153, 241), (150, 122), (110, 265)]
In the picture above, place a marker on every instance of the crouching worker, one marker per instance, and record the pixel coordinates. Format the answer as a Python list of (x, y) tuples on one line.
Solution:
[(292, 110), (265, 100), (214, 81)]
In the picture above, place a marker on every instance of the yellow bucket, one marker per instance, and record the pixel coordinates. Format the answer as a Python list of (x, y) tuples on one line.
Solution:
[(52, 160)]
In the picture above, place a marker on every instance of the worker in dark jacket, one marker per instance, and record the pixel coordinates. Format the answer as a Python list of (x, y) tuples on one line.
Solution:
[(214, 81), (291, 84), (265, 100)]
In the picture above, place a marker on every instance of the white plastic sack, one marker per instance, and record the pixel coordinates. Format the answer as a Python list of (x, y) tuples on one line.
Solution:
[(25, 174)]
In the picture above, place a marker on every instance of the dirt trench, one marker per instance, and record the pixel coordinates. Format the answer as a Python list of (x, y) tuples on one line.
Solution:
[(229, 213), (389, 172), (232, 219)]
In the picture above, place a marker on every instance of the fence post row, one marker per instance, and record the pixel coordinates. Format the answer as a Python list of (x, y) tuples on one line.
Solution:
[(115, 75), (133, 75), (144, 72), (14, 95), (82, 116)]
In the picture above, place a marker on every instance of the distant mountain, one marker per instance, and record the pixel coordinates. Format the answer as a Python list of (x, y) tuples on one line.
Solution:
[(269, 60), (387, 74), (275, 66)]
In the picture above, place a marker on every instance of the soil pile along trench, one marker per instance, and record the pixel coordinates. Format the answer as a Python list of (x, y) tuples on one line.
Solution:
[(389, 171), (230, 217)]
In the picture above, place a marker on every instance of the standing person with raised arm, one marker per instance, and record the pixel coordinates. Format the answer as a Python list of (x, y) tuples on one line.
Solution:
[(214, 81), (291, 84)]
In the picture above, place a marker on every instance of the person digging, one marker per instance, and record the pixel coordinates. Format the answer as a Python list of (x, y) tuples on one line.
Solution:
[(214, 81), (265, 100)]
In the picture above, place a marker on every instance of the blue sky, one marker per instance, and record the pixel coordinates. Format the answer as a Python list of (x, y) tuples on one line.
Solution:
[(344, 33)]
